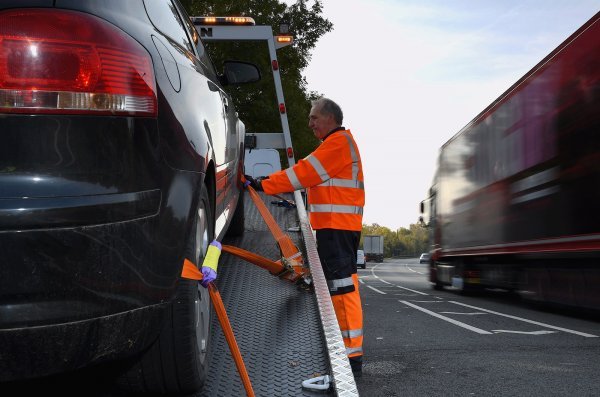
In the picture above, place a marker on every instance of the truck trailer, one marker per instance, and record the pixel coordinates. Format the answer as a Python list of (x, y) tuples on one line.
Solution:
[(373, 247), (515, 200)]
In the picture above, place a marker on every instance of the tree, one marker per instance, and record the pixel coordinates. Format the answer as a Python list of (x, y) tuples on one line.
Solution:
[(411, 241), (257, 103)]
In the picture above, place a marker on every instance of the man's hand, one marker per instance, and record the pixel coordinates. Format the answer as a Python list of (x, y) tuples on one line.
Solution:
[(256, 183)]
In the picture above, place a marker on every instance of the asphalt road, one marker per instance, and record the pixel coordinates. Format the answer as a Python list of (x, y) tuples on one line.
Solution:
[(421, 342)]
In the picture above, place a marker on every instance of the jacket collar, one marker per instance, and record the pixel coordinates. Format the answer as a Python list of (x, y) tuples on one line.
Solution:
[(333, 130)]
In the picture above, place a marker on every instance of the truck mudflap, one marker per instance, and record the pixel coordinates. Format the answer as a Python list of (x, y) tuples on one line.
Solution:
[(286, 334)]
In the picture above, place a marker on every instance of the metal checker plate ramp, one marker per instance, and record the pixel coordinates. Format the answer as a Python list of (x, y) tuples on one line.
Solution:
[(276, 324)]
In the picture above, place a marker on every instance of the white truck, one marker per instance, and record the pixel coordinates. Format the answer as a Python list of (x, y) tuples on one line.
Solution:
[(373, 247), (261, 162)]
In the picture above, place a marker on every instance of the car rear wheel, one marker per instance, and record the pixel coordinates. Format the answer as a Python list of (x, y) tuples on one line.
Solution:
[(177, 361)]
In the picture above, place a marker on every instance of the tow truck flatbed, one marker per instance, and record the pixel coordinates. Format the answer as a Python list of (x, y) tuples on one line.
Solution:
[(276, 324)]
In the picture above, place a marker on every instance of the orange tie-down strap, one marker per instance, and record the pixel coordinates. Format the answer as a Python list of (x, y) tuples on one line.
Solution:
[(287, 246), (191, 271), (291, 270)]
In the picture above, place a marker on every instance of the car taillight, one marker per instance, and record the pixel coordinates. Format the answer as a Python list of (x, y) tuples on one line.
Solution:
[(67, 62)]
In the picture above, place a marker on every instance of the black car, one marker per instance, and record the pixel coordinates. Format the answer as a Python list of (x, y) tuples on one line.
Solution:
[(120, 156)]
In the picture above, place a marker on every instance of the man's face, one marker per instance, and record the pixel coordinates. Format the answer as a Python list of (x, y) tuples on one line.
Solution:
[(320, 123)]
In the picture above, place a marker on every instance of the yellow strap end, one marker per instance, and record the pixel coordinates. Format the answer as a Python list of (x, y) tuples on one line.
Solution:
[(212, 257)]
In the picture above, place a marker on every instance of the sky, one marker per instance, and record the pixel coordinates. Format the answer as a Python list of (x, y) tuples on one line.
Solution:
[(410, 74)]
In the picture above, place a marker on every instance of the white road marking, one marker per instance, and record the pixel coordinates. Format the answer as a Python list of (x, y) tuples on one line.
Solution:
[(528, 321), (412, 270), (542, 332), (428, 301), (412, 290), (450, 320), (373, 271), (360, 280), (376, 290), (387, 282), (465, 314)]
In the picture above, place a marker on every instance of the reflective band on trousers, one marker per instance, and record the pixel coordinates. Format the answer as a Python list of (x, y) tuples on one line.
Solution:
[(342, 282), (353, 333), (341, 209), (351, 350), (336, 182)]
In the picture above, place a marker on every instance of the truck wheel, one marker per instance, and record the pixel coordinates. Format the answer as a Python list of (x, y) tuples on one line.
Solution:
[(236, 227), (433, 278), (177, 361)]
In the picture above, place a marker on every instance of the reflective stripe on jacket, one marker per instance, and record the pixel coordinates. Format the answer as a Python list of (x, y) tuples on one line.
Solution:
[(333, 177)]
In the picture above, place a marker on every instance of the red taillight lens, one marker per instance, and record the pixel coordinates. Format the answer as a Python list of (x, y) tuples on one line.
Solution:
[(60, 61)]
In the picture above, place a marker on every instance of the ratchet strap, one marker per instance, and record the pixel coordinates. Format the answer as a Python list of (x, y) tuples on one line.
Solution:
[(190, 271), (291, 265)]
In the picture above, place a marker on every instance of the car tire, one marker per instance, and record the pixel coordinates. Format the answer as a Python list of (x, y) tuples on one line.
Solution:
[(177, 362), (237, 225)]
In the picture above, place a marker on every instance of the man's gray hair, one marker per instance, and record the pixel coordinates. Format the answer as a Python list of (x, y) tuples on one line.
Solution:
[(327, 106)]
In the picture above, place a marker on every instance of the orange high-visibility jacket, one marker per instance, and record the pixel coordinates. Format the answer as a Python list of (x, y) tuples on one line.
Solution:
[(333, 177)]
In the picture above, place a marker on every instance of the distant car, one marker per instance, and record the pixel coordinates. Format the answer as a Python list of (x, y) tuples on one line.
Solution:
[(424, 258), (119, 157), (360, 259)]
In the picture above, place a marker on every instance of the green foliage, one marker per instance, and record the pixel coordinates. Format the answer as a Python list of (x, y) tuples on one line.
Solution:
[(257, 103), (402, 242)]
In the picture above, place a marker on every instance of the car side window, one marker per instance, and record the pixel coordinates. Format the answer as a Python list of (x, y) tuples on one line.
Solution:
[(203, 57), (164, 15), (189, 26), (207, 65)]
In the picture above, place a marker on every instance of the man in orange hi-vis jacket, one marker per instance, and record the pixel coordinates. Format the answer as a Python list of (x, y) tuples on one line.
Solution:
[(333, 177)]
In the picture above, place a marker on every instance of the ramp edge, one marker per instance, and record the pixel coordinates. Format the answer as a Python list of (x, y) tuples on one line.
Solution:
[(341, 372)]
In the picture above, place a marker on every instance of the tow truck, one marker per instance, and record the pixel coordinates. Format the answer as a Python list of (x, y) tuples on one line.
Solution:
[(288, 336)]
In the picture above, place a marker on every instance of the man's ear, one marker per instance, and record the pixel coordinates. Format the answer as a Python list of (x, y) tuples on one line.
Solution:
[(331, 119)]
